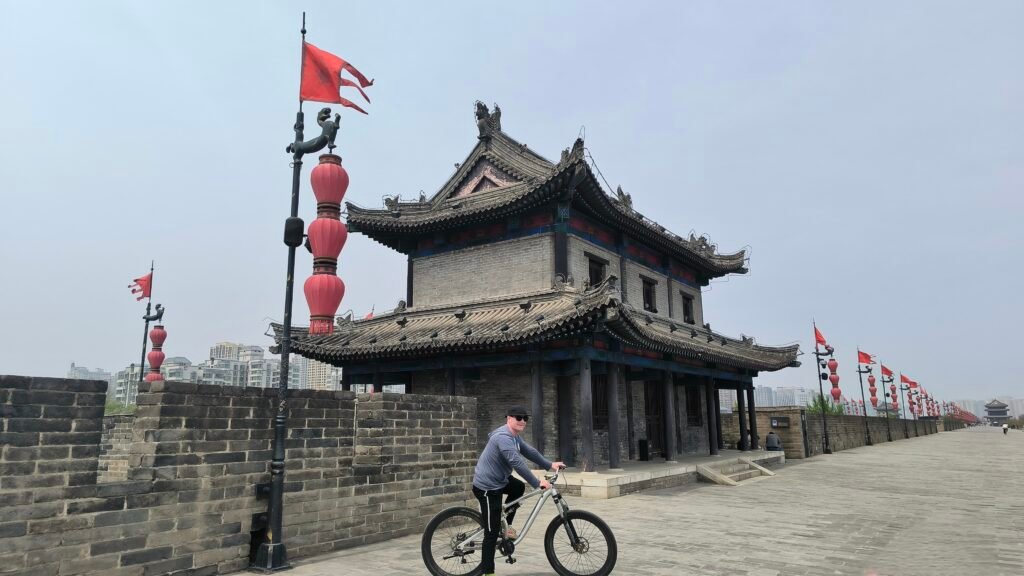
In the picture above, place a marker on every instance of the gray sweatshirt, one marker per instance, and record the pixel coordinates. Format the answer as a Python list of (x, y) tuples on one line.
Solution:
[(503, 453)]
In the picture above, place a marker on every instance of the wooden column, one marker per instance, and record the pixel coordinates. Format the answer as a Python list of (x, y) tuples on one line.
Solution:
[(537, 405), (408, 283), (613, 416), (629, 414), (718, 419), (670, 415), (586, 415), (711, 404), (563, 399), (741, 413), (753, 418), (346, 380)]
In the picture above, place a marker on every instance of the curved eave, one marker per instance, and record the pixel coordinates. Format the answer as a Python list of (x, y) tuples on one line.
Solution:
[(412, 220), (632, 327)]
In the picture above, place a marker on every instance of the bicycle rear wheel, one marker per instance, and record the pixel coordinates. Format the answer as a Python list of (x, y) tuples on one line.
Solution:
[(595, 551), (441, 538)]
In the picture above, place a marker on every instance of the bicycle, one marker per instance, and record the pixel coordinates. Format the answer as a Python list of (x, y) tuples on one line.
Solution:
[(574, 538)]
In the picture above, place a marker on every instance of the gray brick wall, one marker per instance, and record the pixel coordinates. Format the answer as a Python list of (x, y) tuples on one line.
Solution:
[(500, 269), (361, 468)]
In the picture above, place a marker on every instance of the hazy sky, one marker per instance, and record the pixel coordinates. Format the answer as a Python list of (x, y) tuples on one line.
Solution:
[(871, 154)]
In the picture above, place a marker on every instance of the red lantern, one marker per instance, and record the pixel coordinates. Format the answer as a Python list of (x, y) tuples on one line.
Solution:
[(832, 365), (156, 356), (892, 388), (323, 293), (330, 181), (836, 392), (834, 379), (874, 402), (327, 235), (871, 379)]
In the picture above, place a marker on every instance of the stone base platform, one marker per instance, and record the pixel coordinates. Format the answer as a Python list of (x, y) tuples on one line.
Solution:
[(635, 476)]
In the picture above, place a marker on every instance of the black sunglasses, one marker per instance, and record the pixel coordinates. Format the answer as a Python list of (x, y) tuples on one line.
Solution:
[(522, 418)]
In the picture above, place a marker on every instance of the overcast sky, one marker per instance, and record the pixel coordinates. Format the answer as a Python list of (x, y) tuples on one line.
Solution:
[(870, 154)]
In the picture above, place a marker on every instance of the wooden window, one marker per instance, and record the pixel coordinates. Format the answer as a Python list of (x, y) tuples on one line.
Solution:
[(694, 415), (687, 308), (596, 270), (599, 387), (650, 294)]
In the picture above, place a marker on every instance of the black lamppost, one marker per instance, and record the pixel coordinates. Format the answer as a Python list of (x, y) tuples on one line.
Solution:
[(903, 407), (822, 365), (888, 430), (864, 412), (272, 555)]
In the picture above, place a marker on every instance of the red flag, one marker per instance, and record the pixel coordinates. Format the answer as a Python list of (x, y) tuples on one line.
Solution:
[(864, 358), (819, 338), (322, 81), (905, 380), (886, 371), (370, 315), (142, 285)]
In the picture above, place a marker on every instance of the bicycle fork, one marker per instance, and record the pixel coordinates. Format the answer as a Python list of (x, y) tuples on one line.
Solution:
[(563, 511)]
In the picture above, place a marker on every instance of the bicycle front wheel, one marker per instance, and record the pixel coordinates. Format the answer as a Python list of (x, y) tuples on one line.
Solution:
[(441, 539), (594, 552)]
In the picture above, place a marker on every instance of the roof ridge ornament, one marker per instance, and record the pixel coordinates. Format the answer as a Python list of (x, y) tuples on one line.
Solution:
[(624, 199), (573, 154), (486, 121)]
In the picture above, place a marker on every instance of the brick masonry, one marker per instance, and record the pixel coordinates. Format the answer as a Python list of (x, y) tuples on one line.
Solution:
[(845, 432), (114, 448), (360, 468), (500, 269)]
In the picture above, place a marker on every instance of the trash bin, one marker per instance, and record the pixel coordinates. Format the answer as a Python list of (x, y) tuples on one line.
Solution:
[(645, 455)]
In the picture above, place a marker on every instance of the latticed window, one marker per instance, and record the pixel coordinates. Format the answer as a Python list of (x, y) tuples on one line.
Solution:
[(596, 271), (688, 308), (650, 295)]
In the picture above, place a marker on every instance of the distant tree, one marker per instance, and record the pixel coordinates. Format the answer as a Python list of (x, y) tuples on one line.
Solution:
[(820, 403), (114, 408)]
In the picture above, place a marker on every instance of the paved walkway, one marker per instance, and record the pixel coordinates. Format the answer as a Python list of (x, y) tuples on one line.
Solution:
[(952, 503)]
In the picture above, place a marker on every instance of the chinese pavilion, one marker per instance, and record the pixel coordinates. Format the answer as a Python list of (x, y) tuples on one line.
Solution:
[(530, 284), (997, 412)]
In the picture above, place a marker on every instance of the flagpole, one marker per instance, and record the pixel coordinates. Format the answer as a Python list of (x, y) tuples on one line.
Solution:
[(903, 408), (145, 339), (825, 448), (860, 378), (888, 431)]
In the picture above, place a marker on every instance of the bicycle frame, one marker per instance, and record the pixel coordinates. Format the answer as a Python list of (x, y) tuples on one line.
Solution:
[(552, 493)]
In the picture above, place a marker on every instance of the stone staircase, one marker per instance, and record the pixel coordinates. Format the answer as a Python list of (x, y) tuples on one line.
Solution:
[(732, 472)]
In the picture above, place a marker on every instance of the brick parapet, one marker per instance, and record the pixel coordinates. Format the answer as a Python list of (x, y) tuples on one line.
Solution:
[(360, 468)]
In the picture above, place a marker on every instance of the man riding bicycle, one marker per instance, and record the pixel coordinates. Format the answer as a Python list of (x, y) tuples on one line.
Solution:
[(493, 477)]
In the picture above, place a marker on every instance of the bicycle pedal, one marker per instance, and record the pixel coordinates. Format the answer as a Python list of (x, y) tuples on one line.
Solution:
[(510, 560)]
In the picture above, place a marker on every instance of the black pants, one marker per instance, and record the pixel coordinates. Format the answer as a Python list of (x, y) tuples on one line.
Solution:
[(490, 511)]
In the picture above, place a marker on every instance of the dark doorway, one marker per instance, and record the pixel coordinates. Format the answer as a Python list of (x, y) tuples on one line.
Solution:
[(654, 413), (564, 398)]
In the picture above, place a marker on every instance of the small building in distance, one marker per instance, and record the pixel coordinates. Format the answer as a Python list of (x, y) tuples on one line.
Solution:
[(997, 413)]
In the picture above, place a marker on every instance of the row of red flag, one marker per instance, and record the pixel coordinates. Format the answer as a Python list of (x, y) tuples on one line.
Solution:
[(925, 400)]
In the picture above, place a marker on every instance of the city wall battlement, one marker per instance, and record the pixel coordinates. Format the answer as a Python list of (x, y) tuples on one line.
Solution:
[(361, 468)]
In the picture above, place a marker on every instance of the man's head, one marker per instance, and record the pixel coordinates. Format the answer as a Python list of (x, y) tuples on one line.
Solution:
[(516, 419)]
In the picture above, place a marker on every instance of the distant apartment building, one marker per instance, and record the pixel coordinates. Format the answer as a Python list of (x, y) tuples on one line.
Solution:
[(83, 373), (727, 399), (322, 376), (764, 396), (126, 384), (794, 396)]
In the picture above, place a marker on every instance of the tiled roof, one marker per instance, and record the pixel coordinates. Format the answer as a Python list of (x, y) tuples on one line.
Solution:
[(508, 323), (536, 182)]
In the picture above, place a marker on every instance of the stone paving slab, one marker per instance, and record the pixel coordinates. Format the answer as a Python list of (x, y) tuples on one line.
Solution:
[(947, 504)]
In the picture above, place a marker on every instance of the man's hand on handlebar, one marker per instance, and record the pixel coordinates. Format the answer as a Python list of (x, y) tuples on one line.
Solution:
[(555, 467), (544, 485)]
